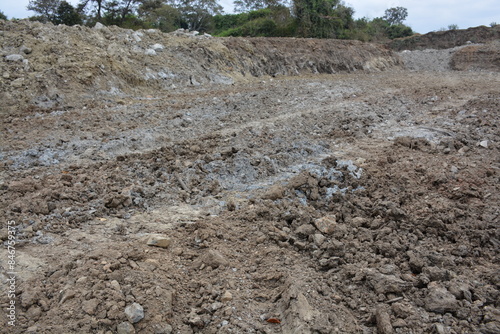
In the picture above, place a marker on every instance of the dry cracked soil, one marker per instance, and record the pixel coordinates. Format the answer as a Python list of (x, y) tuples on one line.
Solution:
[(349, 202)]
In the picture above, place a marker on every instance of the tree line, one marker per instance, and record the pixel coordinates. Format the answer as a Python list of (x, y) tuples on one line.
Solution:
[(267, 18)]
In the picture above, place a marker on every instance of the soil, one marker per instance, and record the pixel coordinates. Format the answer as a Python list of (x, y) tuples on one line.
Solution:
[(446, 39), (360, 201)]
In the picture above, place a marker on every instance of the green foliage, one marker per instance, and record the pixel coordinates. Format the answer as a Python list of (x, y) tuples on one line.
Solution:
[(156, 15), (271, 18), (395, 15), (241, 6), (322, 18), (46, 9), (267, 22), (398, 31), (377, 30), (453, 27), (493, 24), (3, 16), (55, 11), (261, 27), (198, 14), (67, 14)]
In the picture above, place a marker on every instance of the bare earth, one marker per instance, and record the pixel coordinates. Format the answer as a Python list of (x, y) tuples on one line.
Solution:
[(365, 202)]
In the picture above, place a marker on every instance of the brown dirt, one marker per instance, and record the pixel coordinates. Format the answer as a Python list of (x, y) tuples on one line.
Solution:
[(60, 66), (477, 57), (446, 39), (354, 202)]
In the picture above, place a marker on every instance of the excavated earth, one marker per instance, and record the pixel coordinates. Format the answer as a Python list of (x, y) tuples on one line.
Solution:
[(246, 185)]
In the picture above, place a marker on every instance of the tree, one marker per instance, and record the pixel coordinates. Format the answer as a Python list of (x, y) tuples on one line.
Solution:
[(46, 8), (322, 18), (241, 6), (395, 15), (93, 7), (3, 16), (157, 15), (67, 14), (197, 14)]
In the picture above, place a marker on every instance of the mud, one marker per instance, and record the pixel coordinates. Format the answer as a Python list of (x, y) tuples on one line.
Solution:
[(360, 202)]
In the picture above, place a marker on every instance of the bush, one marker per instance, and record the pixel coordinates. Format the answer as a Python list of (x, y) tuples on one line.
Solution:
[(262, 27), (268, 22), (398, 31)]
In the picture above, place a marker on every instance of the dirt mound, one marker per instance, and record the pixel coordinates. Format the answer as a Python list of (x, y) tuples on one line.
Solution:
[(446, 39), (477, 57), (47, 66)]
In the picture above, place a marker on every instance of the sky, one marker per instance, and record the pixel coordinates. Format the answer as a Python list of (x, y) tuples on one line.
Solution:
[(423, 15)]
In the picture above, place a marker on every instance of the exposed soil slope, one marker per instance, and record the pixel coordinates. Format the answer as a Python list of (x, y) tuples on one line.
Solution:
[(49, 66), (446, 39)]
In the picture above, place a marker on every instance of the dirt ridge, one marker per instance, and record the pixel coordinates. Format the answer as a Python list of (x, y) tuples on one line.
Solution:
[(79, 63)]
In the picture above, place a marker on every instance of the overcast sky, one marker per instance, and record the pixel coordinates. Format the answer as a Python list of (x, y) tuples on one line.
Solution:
[(423, 15)]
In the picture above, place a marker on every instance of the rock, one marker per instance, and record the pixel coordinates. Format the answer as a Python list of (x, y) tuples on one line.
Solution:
[(318, 239), (402, 310), (215, 306), (484, 143), (439, 329), (305, 230), (158, 240), (195, 320), (40, 207), (158, 47), (227, 296), (211, 258), (416, 262), (4, 234), (325, 224), (90, 306), (398, 323), (14, 57), (440, 300), (275, 192), (66, 294), (26, 50), (115, 285), (134, 313), (150, 52), (460, 290), (99, 26), (359, 221), (383, 319), (32, 329), (125, 328), (386, 283), (18, 83), (436, 274), (162, 328)]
